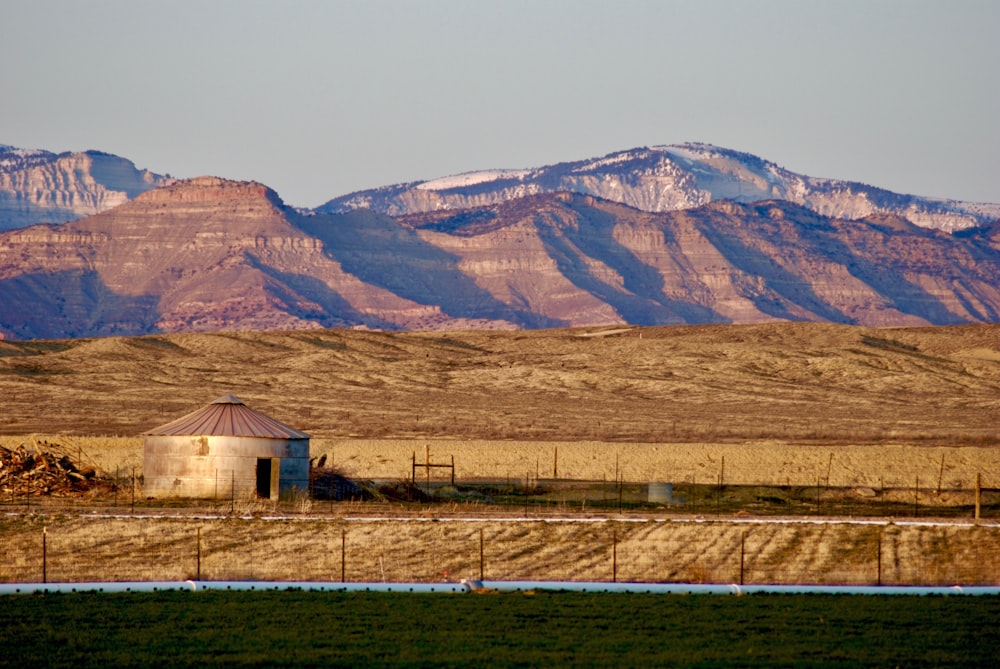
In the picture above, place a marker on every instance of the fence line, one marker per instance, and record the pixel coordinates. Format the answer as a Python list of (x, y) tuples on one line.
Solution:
[(712, 551), (535, 495)]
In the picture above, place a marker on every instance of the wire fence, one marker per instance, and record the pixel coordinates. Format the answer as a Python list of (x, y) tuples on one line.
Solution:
[(506, 529), (122, 491), (954, 485), (59, 548)]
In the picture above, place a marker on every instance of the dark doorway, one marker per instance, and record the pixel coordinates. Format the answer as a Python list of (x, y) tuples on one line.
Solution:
[(264, 478)]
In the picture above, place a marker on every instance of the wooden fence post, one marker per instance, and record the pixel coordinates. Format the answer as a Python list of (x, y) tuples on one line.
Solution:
[(743, 542), (198, 551), (614, 555), (45, 554), (343, 555), (940, 475), (879, 572), (621, 490), (481, 555), (527, 479), (819, 497), (979, 492)]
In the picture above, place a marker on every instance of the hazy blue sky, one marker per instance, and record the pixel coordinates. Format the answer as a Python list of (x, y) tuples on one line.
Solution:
[(317, 99)]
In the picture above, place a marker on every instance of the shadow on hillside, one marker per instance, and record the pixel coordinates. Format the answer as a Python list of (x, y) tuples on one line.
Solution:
[(862, 251), (643, 301), (70, 304), (379, 251), (887, 276), (782, 288), (335, 311)]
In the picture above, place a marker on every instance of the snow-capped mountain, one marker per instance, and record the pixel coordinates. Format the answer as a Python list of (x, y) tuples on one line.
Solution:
[(208, 254), (668, 178), (44, 187)]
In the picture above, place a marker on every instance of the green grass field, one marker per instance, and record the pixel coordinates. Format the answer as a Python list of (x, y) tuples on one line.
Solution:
[(298, 628)]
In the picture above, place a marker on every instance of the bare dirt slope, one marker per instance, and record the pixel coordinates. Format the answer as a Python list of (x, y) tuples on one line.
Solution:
[(807, 383)]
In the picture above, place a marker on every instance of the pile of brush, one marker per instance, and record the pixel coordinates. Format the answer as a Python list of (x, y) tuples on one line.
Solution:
[(34, 471)]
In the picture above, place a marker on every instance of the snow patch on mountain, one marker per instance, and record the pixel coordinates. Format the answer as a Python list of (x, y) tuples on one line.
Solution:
[(12, 158), (471, 179), (609, 160), (43, 187), (667, 178)]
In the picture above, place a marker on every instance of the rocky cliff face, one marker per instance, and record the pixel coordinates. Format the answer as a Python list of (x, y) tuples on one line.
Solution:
[(723, 262), (42, 187), (668, 178), (199, 255), (209, 254)]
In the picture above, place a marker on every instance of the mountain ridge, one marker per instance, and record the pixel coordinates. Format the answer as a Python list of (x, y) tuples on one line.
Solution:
[(44, 187), (209, 254), (667, 178)]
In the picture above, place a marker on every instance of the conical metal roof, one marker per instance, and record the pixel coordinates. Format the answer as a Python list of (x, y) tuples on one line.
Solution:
[(228, 417)]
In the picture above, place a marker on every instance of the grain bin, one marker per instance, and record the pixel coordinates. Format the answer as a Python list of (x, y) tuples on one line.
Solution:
[(225, 449)]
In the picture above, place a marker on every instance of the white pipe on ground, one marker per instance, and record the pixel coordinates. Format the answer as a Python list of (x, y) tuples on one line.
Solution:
[(194, 586), (501, 586), (733, 589)]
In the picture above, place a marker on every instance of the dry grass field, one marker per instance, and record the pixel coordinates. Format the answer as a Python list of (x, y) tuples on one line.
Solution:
[(791, 404), (771, 462), (82, 548), (787, 403), (808, 383)]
